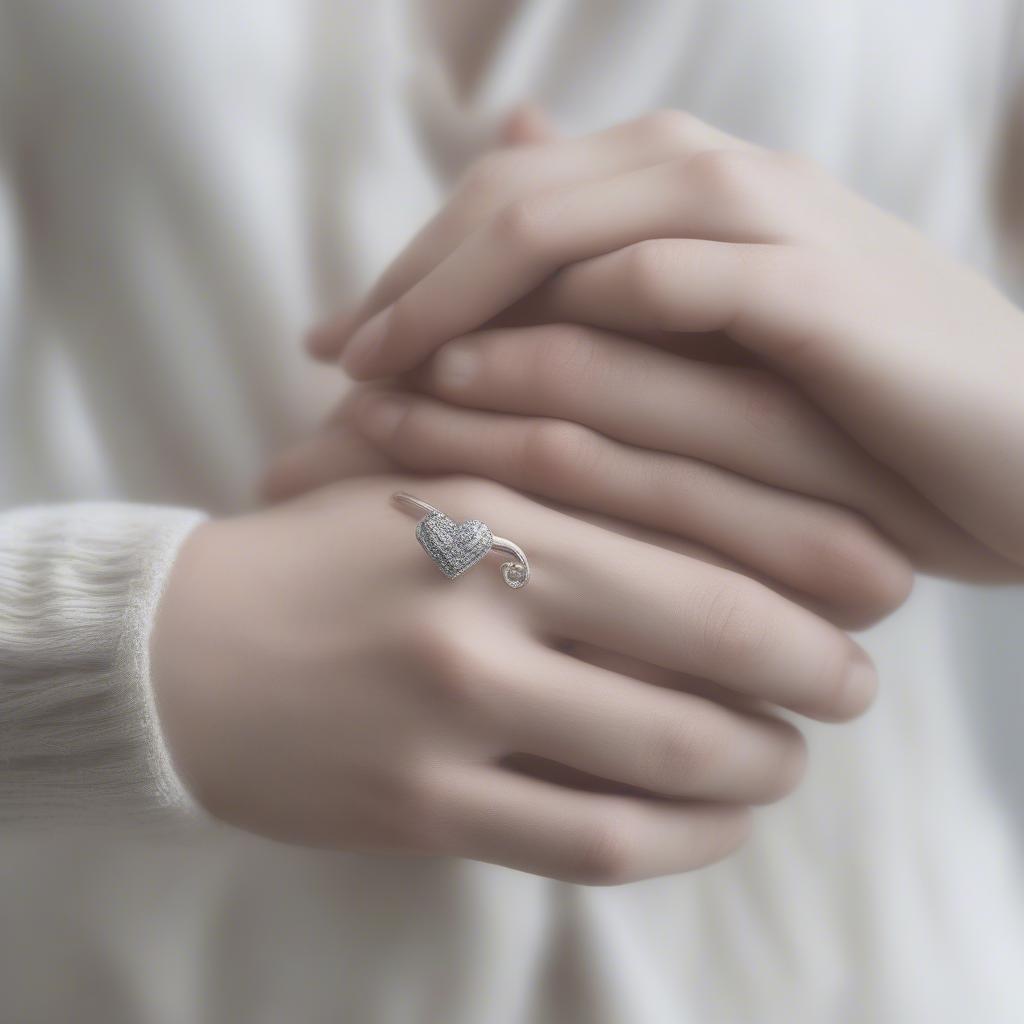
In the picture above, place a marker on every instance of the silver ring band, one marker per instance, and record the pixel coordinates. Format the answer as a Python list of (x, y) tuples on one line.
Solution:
[(457, 547)]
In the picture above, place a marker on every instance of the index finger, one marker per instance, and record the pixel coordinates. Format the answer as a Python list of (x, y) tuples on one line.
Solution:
[(509, 174)]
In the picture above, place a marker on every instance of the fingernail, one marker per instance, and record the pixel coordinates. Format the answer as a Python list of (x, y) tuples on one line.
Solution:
[(356, 355), (378, 416), (861, 686), (456, 365)]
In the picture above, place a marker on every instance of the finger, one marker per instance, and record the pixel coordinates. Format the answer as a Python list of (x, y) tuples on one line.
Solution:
[(664, 741), (747, 420), (792, 307), (841, 331), (526, 241), (697, 619), (507, 175), (843, 618), (502, 817), (823, 551), (334, 453), (657, 676), (606, 590)]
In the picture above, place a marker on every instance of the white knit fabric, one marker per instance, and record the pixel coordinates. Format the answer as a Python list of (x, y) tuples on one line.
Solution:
[(79, 737)]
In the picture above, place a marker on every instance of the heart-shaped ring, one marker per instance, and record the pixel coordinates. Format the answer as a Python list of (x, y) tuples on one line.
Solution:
[(457, 547)]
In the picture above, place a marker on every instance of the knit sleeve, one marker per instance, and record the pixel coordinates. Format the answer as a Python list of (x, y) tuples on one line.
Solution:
[(79, 737)]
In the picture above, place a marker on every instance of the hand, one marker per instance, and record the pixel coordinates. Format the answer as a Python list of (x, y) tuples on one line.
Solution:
[(668, 225), (633, 465), (320, 682)]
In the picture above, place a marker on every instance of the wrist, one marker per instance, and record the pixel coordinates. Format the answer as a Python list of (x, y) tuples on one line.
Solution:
[(182, 655)]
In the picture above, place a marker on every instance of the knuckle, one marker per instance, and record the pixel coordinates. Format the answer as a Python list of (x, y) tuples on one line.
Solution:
[(733, 625), (604, 852), (526, 224), (798, 164), (742, 181), (730, 171), (493, 175), (452, 662), (555, 453), (669, 129)]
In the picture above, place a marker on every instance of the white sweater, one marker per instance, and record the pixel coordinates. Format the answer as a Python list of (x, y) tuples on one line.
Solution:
[(183, 187)]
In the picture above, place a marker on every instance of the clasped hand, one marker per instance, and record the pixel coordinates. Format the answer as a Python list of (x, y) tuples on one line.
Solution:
[(746, 404)]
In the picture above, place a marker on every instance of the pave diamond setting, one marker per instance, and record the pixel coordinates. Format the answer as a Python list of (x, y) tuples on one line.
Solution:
[(455, 547)]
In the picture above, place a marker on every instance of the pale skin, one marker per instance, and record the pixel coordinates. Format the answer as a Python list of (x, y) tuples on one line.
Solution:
[(774, 463), (861, 365), (319, 681)]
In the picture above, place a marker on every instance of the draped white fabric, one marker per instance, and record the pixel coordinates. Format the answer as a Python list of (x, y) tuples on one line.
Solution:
[(184, 186)]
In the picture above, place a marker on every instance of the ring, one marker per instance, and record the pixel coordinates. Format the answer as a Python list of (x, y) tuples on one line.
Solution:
[(457, 547)]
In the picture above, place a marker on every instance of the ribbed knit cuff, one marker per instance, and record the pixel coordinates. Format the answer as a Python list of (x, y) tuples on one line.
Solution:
[(79, 736)]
